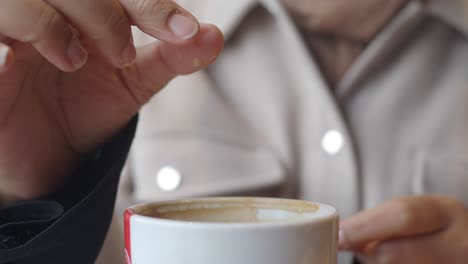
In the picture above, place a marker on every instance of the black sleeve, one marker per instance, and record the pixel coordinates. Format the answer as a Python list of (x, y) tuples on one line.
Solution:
[(70, 225)]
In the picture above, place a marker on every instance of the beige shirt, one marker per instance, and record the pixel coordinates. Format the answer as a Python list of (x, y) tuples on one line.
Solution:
[(262, 120)]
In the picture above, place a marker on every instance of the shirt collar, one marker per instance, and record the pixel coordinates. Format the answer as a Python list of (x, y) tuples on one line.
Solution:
[(229, 14), (453, 12)]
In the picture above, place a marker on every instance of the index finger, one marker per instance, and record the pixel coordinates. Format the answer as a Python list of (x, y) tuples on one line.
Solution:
[(105, 23), (45, 28), (397, 218), (162, 19)]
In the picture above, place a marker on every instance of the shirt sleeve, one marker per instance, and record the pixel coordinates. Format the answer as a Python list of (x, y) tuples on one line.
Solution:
[(70, 225)]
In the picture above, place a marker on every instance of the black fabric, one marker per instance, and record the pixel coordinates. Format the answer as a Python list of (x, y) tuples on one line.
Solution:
[(22, 222), (70, 225)]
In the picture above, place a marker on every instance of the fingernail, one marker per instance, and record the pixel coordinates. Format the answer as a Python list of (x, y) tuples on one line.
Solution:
[(341, 239), (76, 54), (129, 53), (182, 26), (3, 56)]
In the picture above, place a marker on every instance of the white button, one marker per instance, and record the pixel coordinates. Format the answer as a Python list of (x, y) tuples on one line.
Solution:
[(332, 142), (168, 179)]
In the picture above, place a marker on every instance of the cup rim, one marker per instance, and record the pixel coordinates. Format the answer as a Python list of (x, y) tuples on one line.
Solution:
[(260, 224)]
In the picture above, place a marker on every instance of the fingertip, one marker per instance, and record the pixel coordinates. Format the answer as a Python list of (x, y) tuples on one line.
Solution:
[(342, 240), (212, 39), (6, 58), (185, 58), (77, 56), (183, 26), (128, 55), (211, 33)]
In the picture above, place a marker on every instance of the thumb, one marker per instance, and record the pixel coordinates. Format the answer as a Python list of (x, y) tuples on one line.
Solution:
[(160, 62), (398, 218)]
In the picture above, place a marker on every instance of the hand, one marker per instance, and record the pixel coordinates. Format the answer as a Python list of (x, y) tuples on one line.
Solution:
[(70, 78), (411, 230)]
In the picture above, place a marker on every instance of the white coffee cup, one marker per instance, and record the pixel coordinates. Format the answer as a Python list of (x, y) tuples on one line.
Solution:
[(231, 231)]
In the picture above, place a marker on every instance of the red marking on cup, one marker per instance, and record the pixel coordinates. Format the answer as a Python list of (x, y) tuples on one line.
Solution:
[(128, 252)]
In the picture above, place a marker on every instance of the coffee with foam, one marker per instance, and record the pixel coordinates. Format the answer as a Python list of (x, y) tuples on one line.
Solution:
[(234, 210)]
